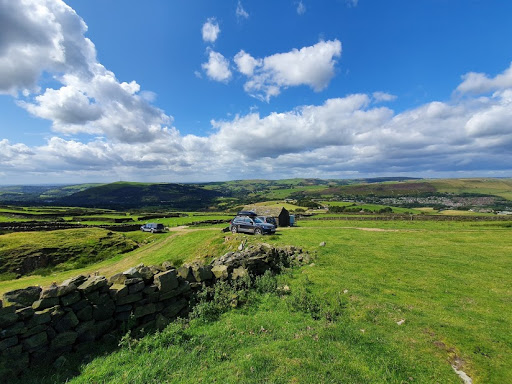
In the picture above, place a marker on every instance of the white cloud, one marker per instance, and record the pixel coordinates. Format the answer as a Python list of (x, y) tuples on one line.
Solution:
[(383, 97), (246, 63), (241, 13), (312, 66), (301, 8), (210, 30), (352, 3), (481, 83), (48, 36), (217, 67)]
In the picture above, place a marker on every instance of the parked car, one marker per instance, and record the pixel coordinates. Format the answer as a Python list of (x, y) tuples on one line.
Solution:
[(249, 224), (152, 227), (268, 220), (247, 213)]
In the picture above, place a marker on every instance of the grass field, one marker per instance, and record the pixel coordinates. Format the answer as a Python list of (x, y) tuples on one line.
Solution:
[(383, 302)]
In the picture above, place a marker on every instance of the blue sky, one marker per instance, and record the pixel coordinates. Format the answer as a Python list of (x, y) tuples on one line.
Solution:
[(201, 91)]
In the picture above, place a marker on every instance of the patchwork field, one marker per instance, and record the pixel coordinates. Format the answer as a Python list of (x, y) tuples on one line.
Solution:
[(391, 302)]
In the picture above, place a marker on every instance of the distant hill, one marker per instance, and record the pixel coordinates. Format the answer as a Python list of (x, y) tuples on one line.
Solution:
[(124, 195), (39, 194)]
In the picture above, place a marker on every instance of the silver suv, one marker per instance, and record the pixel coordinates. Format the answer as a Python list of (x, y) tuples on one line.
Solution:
[(251, 224), (152, 227)]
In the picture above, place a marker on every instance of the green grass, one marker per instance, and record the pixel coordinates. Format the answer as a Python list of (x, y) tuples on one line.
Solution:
[(449, 281), (45, 252)]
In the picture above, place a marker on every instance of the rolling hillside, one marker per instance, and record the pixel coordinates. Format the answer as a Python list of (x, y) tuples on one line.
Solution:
[(124, 195)]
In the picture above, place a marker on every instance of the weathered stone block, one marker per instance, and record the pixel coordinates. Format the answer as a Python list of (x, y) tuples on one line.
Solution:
[(118, 278), (220, 272), (239, 273), (51, 333), (45, 303), (166, 281), (129, 299), (124, 308), (93, 297), (175, 308), (49, 292), (132, 273), (93, 283), (185, 272), (144, 310), (202, 272), (167, 266), (9, 342), (25, 296), (102, 327), (13, 351), (80, 305), (147, 273), (8, 316), (77, 280), (86, 331), (67, 322), (40, 317), (13, 330), (150, 289), (25, 313), (33, 330), (103, 311), (34, 342), (85, 314), (70, 298), (56, 312), (63, 340), (136, 287), (161, 321), (134, 280), (118, 290), (123, 316)]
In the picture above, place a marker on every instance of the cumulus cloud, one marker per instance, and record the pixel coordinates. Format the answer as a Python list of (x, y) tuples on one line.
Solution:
[(210, 30), (241, 13), (312, 66), (301, 8), (217, 67), (48, 36), (383, 97), (481, 83), (246, 63)]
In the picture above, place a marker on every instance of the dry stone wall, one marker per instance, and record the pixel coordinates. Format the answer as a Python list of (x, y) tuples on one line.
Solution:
[(40, 324)]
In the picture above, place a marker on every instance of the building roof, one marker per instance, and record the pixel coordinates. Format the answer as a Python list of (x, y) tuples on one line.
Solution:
[(265, 210)]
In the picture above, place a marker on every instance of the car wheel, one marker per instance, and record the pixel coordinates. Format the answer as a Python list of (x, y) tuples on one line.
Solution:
[(152, 231), (257, 231), (234, 229)]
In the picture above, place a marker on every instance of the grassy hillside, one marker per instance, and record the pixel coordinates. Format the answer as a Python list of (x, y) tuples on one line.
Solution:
[(123, 195), (497, 187), (382, 302), (39, 194), (23, 253)]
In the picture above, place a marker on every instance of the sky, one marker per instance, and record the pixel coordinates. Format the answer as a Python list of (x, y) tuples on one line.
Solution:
[(201, 90)]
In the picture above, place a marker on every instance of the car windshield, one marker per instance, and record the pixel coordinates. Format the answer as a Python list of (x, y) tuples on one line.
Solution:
[(258, 220)]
